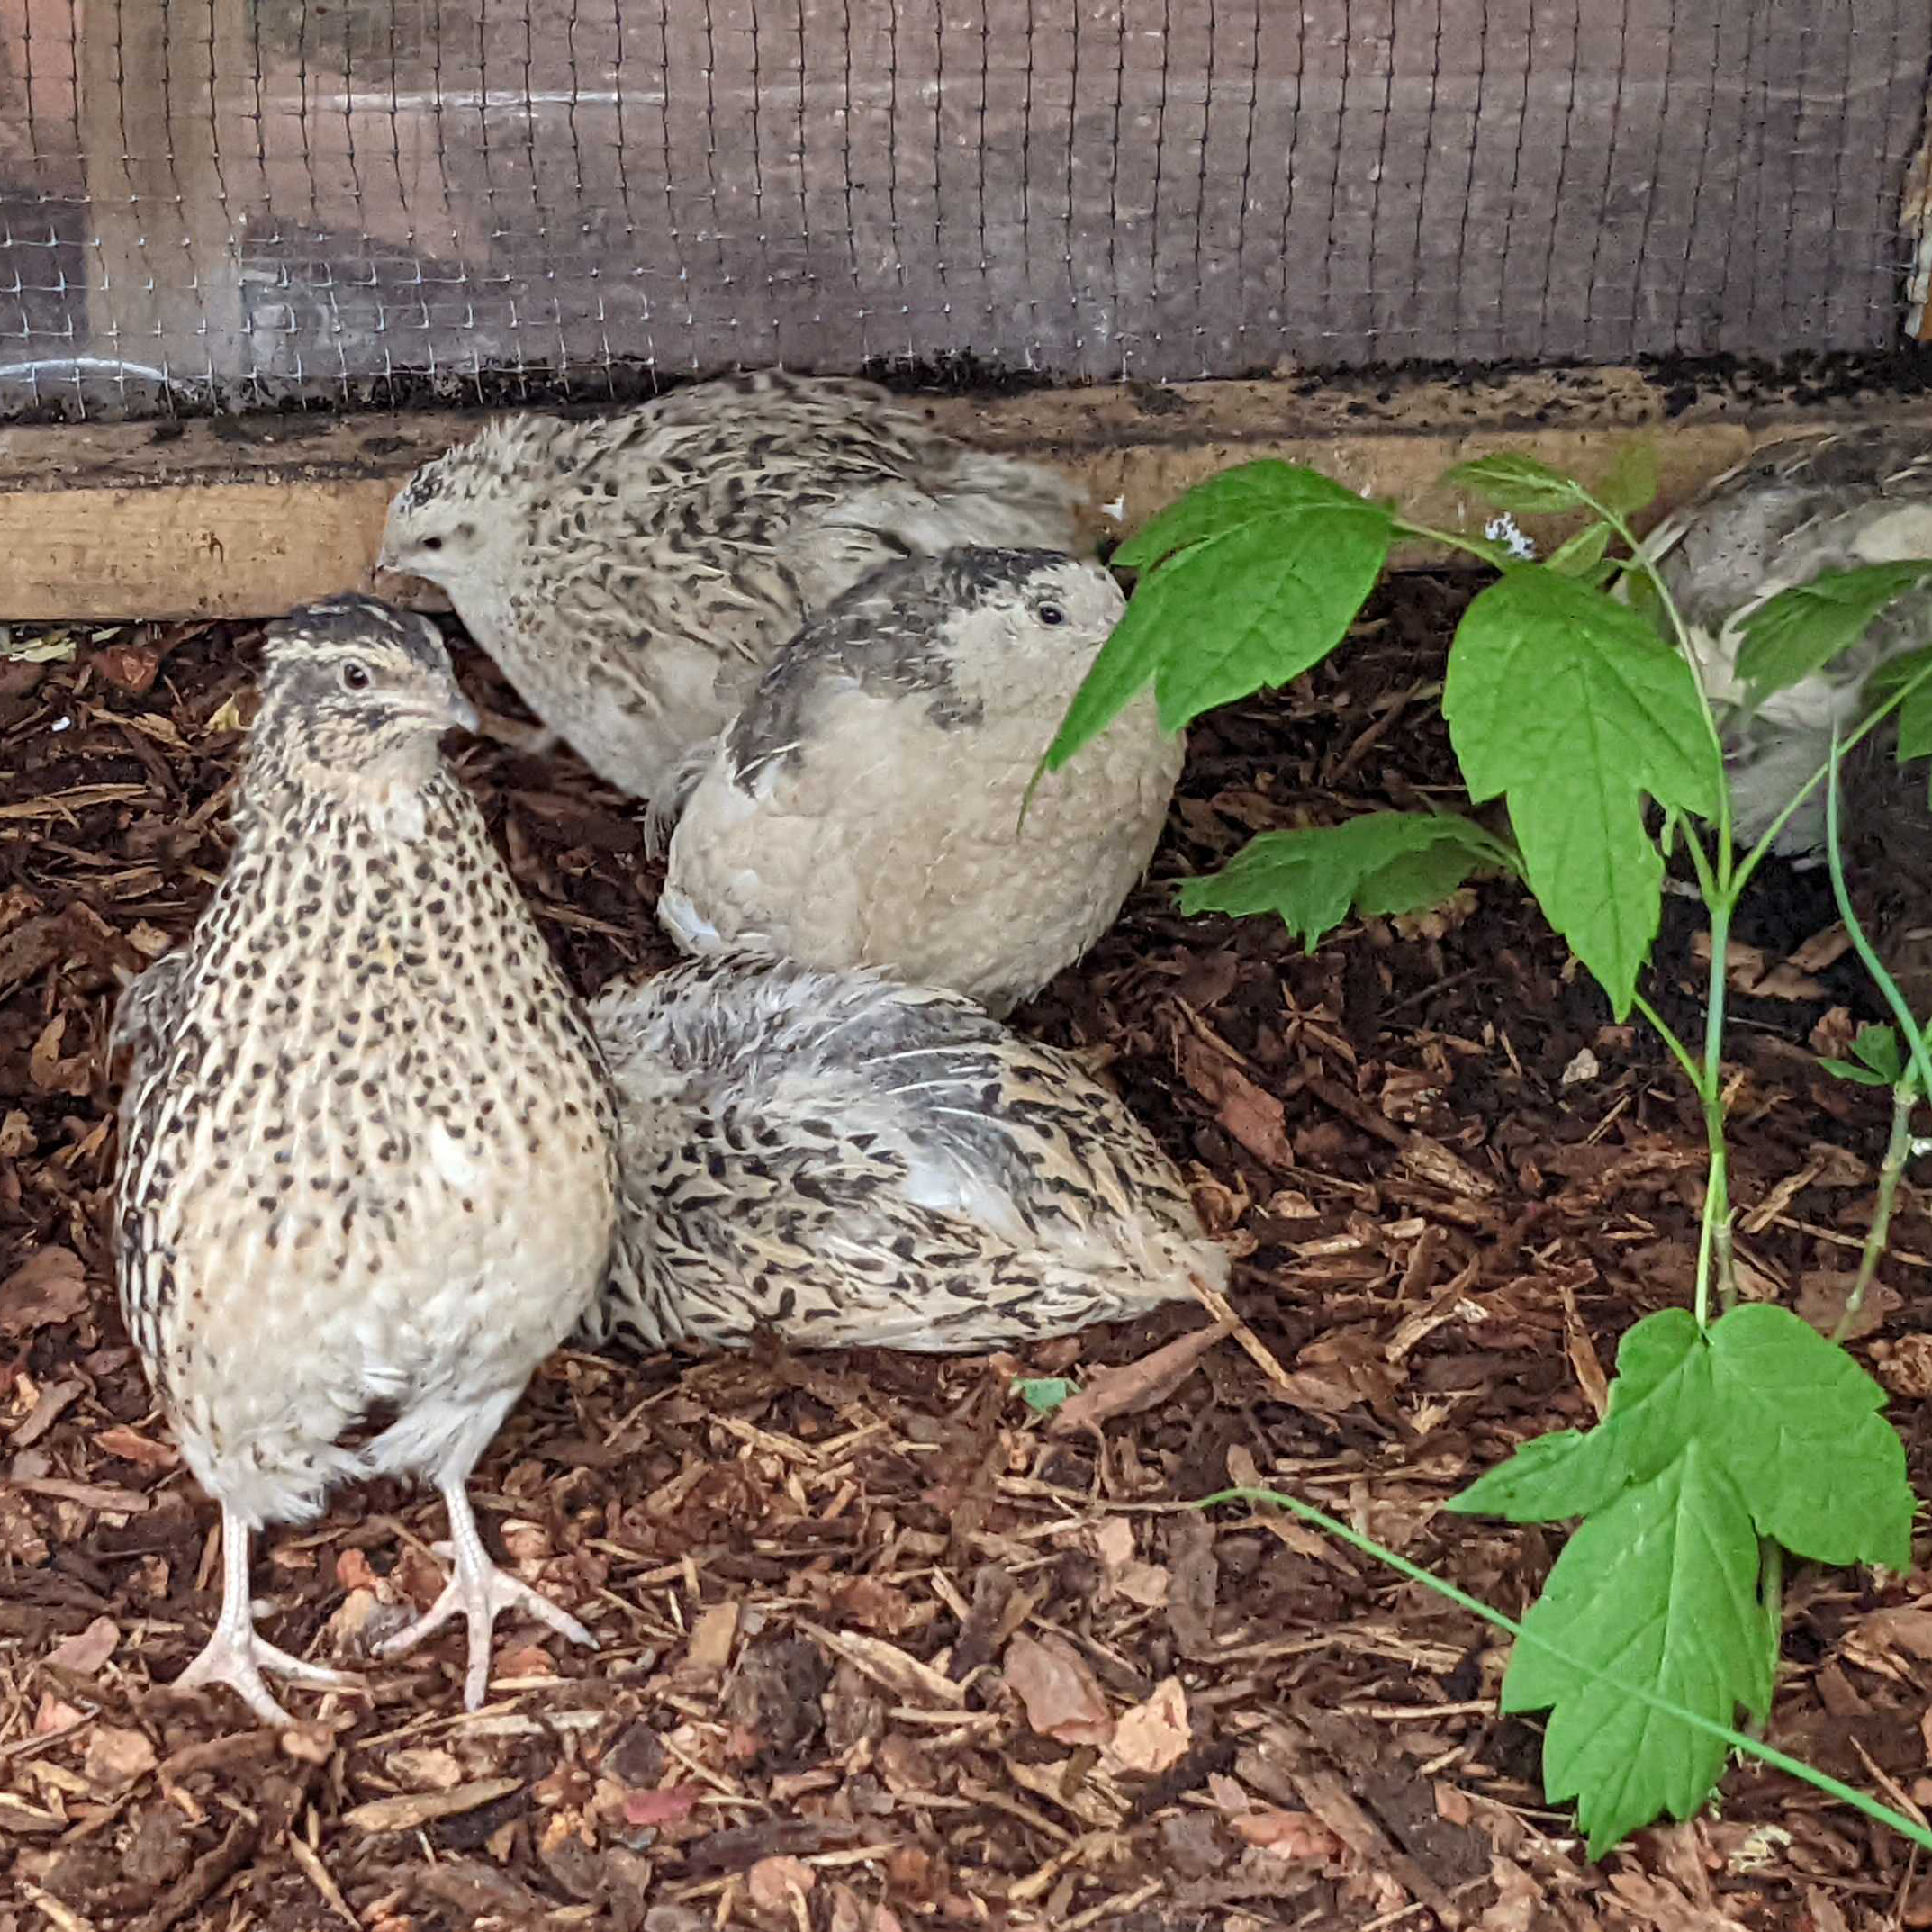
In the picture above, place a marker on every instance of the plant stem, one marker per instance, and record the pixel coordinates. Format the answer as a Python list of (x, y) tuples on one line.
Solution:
[(1715, 1237), (1897, 1152), (1771, 1593), (1915, 1035), (1852, 740), (1682, 1053), (1641, 558), (1906, 1828), (1480, 547)]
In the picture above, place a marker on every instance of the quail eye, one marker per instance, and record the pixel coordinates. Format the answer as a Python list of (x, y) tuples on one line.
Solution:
[(432, 543), (355, 677), (1051, 614)]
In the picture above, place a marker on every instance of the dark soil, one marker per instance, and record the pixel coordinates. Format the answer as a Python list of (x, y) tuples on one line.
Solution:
[(870, 1626)]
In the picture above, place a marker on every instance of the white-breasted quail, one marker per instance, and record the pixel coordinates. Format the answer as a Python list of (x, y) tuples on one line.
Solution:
[(865, 808), (633, 574), (367, 1166), (843, 1161), (1795, 508)]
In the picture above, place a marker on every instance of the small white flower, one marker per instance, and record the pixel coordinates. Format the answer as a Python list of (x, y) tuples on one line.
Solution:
[(1502, 530)]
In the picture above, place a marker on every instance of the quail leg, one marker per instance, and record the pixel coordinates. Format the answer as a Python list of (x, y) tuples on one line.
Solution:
[(236, 1654), (480, 1592)]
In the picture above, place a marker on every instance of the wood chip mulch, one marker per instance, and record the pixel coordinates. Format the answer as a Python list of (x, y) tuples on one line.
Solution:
[(882, 1649)]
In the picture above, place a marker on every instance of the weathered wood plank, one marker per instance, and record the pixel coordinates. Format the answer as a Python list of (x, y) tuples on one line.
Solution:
[(246, 517)]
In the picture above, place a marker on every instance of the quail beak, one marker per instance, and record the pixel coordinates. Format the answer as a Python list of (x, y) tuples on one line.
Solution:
[(462, 714)]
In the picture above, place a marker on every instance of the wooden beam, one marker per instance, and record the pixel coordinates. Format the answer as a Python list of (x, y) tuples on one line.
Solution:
[(244, 517)]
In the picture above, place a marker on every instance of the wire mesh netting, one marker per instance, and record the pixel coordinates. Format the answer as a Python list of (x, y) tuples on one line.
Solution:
[(237, 201)]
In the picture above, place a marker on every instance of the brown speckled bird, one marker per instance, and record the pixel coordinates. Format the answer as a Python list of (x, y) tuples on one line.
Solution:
[(847, 1162), (863, 810), (1793, 509), (633, 574), (367, 1169)]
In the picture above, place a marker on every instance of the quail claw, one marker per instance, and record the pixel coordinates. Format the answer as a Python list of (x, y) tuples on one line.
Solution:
[(479, 1591), (239, 1659), (237, 1654)]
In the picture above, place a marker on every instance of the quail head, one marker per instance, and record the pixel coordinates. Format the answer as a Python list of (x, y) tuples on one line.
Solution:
[(840, 1161), (367, 1179), (633, 574), (865, 808), (1796, 507)]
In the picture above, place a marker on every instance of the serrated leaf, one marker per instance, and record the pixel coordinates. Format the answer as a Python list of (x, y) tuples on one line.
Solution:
[(1517, 484), (1549, 1478), (1572, 705), (1382, 863), (1633, 482), (1230, 500), (1658, 1400), (1256, 576), (1797, 1422), (1791, 634), (1583, 553), (1660, 1587), (1044, 1393)]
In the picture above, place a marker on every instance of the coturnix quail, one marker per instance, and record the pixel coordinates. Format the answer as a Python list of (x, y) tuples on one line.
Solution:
[(845, 1161), (865, 809), (633, 574), (367, 1167)]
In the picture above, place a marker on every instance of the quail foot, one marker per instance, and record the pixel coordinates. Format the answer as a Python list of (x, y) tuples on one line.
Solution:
[(865, 809), (1797, 507), (843, 1161), (633, 574), (366, 1178)]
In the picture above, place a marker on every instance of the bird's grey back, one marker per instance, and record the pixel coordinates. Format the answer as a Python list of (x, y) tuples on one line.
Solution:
[(776, 1036), (1792, 510)]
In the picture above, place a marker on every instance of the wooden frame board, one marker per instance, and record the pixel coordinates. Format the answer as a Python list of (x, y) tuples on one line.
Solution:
[(246, 517)]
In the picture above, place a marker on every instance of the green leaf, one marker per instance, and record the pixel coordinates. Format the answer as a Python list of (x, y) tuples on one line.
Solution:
[(1583, 553), (1657, 1401), (1572, 705), (1044, 1393), (1858, 1075), (1790, 635), (1230, 500), (1549, 1478), (1518, 484), (1631, 485), (1661, 1588), (1382, 862), (1915, 714), (1247, 581), (1878, 1047), (1791, 1416), (1797, 1422)]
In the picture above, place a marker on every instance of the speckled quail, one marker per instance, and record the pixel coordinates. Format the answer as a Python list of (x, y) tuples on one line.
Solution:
[(844, 1162), (633, 574), (863, 810), (367, 1168), (1795, 508)]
